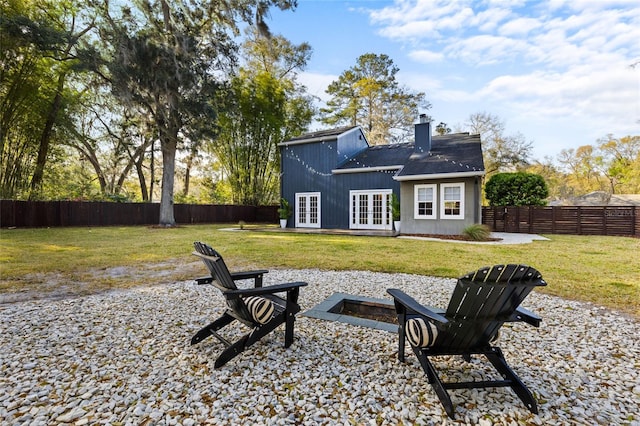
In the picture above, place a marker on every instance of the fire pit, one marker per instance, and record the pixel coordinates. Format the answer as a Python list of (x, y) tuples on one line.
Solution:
[(357, 310)]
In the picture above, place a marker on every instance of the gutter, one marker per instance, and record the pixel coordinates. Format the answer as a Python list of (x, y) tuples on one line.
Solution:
[(439, 176), (366, 170)]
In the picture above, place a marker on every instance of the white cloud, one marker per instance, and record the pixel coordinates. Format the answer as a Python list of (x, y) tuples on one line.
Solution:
[(608, 98), (419, 19), (409, 30), (560, 34), (426, 56), (403, 11), (485, 49), (519, 26), (490, 19), (560, 58)]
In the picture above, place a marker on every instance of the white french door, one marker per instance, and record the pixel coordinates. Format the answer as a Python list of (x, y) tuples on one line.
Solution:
[(370, 209), (307, 210)]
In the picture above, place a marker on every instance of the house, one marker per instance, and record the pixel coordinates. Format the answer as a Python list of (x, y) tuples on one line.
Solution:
[(337, 181)]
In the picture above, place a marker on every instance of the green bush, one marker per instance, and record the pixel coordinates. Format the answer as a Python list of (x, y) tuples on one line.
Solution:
[(516, 189), (477, 232)]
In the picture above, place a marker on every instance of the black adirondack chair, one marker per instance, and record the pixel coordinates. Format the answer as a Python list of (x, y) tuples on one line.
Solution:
[(259, 308), (481, 303)]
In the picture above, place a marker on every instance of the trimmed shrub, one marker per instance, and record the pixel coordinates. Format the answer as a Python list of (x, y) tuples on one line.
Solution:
[(516, 189)]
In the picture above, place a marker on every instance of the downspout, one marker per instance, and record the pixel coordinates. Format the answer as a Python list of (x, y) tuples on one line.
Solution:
[(477, 205)]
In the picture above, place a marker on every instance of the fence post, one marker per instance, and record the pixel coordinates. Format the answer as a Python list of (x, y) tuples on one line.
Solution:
[(579, 219)]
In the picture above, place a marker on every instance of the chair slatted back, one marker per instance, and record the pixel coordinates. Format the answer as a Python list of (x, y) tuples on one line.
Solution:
[(223, 281), (483, 300)]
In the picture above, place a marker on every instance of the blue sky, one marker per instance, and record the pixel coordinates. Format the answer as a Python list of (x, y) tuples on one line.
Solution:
[(558, 71)]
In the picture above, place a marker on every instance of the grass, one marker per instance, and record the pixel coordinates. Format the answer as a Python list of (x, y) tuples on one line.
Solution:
[(598, 269)]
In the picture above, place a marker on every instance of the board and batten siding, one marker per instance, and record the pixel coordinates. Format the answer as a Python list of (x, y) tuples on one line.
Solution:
[(472, 210), (306, 167)]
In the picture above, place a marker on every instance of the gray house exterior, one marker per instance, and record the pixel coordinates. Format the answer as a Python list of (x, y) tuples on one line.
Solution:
[(335, 180)]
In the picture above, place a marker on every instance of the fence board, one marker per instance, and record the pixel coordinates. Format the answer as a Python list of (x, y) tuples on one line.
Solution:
[(576, 220), (32, 214)]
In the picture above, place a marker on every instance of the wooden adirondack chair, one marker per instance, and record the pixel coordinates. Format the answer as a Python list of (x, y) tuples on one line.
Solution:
[(259, 308), (481, 302)]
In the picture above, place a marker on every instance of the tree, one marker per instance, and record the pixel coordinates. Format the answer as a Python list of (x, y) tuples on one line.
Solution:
[(557, 181), (516, 189), (246, 145), (21, 75), (581, 167), (619, 162), (368, 95), (442, 129), (114, 140), (67, 55), (42, 50), (265, 106), (165, 59), (502, 153)]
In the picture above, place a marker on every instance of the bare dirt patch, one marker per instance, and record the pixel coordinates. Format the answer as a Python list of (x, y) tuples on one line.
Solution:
[(55, 286)]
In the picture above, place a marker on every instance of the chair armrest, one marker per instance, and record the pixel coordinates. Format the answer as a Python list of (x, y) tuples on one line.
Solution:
[(245, 275), (412, 306), (278, 288), (522, 314), (236, 276)]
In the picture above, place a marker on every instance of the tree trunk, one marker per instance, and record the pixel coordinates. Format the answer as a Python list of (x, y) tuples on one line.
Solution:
[(143, 183), (168, 144), (152, 170), (45, 138), (136, 160), (168, 169), (187, 174)]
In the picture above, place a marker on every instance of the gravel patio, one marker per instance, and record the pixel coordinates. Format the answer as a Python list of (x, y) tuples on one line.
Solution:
[(123, 358)]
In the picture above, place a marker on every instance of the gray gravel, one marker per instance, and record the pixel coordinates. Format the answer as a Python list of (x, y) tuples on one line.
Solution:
[(123, 358)]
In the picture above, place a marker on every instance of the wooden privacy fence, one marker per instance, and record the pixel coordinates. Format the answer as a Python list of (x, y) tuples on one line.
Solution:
[(80, 213), (577, 220)]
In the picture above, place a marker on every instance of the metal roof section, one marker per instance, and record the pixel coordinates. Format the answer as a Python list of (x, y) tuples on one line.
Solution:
[(319, 136)]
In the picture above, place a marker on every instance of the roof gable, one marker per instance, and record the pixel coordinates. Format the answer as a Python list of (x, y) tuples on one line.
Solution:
[(321, 135)]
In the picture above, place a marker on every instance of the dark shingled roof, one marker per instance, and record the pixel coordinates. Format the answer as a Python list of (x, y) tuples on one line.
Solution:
[(452, 153), (380, 156)]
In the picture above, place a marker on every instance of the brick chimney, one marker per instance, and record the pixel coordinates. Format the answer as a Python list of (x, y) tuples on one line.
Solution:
[(423, 135)]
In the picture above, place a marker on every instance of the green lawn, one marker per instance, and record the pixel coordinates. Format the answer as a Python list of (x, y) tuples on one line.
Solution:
[(602, 270)]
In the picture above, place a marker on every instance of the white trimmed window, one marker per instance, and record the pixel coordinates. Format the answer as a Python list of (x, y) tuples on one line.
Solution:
[(452, 201), (425, 201)]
